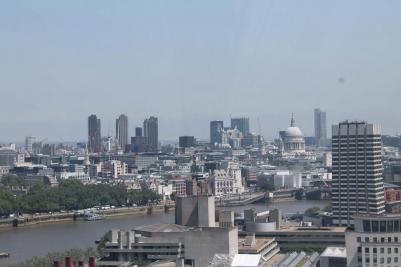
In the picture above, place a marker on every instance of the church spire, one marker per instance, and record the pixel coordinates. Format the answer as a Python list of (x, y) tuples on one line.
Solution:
[(292, 120)]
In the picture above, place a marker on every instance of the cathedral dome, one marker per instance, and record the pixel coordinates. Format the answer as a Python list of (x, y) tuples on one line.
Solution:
[(294, 131)]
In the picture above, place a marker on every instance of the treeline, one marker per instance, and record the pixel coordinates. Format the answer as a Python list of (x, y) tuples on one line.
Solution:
[(70, 195)]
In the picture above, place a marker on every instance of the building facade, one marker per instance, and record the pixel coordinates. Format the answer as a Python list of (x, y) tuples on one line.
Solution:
[(94, 134), (216, 127), (151, 132), (375, 241), (241, 124), (357, 184), (122, 130), (292, 139), (320, 127)]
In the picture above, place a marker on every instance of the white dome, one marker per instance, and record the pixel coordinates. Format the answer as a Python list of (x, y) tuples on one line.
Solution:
[(293, 132)]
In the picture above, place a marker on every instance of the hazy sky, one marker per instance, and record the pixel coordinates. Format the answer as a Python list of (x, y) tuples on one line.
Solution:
[(189, 62)]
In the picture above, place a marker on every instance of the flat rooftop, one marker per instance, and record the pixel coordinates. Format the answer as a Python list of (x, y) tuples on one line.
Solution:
[(258, 245), (312, 229), (335, 252), (161, 227)]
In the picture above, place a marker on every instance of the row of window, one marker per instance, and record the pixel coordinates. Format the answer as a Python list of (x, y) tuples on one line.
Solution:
[(387, 226)]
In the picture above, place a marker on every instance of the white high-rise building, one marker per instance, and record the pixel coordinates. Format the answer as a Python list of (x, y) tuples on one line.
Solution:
[(357, 185), (29, 140)]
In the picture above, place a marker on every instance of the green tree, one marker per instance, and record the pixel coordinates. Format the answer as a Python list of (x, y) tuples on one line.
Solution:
[(12, 180), (312, 211), (7, 201)]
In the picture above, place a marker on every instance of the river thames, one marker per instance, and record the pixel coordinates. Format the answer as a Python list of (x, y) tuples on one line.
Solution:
[(26, 242)]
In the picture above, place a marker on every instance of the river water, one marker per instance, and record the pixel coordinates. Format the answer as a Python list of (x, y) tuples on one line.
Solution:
[(26, 242)]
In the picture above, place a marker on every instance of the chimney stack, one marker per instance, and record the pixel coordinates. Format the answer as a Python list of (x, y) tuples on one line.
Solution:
[(92, 262), (68, 262), (80, 264), (56, 264)]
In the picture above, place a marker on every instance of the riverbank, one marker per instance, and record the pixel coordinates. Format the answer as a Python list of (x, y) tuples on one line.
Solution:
[(69, 216)]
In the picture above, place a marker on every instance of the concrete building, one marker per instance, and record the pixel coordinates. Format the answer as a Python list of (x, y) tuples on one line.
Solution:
[(151, 132), (242, 124), (292, 139), (122, 131), (196, 211), (94, 134), (375, 241), (333, 257), (263, 221), (183, 245), (216, 127), (320, 127), (251, 245), (290, 237), (226, 218), (357, 184)]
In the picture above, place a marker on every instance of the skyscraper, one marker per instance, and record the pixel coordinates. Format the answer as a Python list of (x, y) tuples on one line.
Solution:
[(138, 131), (216, 128), (242, 124), (151, 132), (122, 130), (320, 127), (29, 140), (357, 186), (94, 134)]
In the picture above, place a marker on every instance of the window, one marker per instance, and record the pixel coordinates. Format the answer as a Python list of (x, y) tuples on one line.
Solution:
[(367, 239), (374, 250), (381, 260), (381, 250), (382, 226), (395, 259), (389, 250), (366, 226), (389, 239), (388, 260), (375, 226), (366, 250), (375, 239), (395, 250), (358, 239), (390, 226), (396, 239), (382, 240)]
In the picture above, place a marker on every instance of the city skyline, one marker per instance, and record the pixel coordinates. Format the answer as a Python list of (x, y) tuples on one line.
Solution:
[(263, 60), (205, 134)]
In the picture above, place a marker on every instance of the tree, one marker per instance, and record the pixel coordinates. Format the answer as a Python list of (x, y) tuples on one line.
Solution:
[(328, 208), (173, 196), (7, 201), (12, 180), (312, 212), (299, 195)]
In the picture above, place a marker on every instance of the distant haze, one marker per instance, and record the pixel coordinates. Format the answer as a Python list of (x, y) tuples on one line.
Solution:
[(189, 62)]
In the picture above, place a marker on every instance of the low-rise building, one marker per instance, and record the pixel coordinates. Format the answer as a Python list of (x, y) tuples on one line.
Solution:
[(185, 245), (375, 241)]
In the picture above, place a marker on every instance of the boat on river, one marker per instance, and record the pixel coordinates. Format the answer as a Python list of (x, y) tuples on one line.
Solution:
[(4, 255), (94, 217)]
